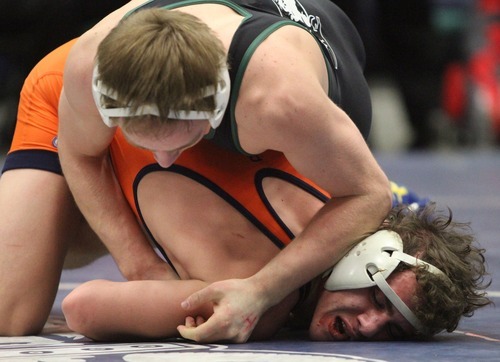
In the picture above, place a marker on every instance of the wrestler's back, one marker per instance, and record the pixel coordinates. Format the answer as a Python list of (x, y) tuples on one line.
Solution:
[(206, 233), (206, 238)]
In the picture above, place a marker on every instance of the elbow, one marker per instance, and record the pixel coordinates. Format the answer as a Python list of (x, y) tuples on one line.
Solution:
[(381, 199), (386, 197), (78, 308)]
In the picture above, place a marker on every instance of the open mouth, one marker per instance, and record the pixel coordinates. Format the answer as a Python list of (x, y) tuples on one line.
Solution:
[(338, 330)]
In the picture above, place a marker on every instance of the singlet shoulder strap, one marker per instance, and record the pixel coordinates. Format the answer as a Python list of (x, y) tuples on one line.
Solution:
[(251, 33)]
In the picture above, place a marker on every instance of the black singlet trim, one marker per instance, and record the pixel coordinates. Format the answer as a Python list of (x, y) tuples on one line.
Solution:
[(143, 172), (202, 180), (244, 57), (282, 175), (242, 66), (33, 159), (167, 4)]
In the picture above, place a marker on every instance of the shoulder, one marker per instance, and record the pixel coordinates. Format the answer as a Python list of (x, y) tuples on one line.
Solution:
[(77, 88), (283, 66), (284, 85)]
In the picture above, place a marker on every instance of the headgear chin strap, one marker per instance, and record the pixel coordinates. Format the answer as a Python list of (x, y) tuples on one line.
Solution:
[(221, 94), (370, 263)]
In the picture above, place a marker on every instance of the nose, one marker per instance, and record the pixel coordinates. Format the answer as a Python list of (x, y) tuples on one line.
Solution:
[(165, 158), (373, 321)]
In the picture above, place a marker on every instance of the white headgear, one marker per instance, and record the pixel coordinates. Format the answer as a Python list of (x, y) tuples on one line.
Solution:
[(221, 94), (370, 263)]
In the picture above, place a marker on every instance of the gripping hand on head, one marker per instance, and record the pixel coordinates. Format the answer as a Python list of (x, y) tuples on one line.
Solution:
[(237, 306)]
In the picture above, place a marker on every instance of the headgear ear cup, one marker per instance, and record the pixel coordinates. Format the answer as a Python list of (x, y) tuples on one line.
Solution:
[(370, 263), (351, 271)]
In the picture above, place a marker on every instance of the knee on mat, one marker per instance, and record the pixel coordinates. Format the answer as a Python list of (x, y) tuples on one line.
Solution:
[(22, 323)]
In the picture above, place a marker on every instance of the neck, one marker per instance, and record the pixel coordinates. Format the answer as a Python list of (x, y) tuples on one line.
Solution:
[(302, 313)]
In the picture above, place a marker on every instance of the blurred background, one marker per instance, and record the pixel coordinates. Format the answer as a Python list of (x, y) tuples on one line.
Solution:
[(433, 65), (434, 70), (30, 29)]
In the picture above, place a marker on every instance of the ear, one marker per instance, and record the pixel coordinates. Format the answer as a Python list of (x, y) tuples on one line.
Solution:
[(385, 225)]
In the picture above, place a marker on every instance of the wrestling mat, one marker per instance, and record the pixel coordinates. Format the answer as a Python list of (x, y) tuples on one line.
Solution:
[(468, 182)]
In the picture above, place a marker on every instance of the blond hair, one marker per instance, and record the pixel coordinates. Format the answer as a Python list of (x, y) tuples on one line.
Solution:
[(160, 57)]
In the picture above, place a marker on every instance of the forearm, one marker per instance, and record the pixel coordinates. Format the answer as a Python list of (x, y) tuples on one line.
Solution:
[(83, 143), (105, 310), (99, 197), (239, 303), (330, 234)]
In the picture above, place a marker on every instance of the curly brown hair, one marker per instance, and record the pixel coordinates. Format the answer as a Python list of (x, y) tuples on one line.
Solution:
[(433, 236)]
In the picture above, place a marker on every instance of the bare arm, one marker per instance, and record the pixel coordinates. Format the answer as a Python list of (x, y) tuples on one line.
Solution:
[(322, 143), (137, 310), (83, 151), (338, 159), (149, 309)]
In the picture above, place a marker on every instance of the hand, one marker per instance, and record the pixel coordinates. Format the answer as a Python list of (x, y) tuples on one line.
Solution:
[(238, 306)]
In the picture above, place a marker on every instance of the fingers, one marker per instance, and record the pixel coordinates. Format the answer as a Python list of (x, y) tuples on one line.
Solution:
[(196, 300), (200, 320), (191, 322), (235, 313), (192, 330), (197, 333), (212, 330), (198, 329)]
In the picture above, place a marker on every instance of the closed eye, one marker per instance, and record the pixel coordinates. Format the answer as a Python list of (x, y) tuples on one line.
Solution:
[(395, 332), (377, 299)]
